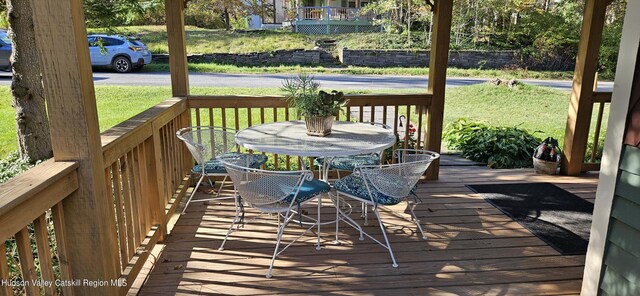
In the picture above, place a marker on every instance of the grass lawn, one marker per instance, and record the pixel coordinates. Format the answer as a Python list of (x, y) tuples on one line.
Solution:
[(201, 40), (529, 107), (453, 72)]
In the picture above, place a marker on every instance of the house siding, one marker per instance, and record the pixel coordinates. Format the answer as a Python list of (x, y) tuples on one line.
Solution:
[(621, 272)]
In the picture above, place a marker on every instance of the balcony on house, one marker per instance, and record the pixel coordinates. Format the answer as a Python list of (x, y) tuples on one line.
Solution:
[(334, 20)]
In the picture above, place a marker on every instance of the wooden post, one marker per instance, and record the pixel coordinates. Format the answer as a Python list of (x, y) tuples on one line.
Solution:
[(438, 61), (581, 104), (63, 49), (177, 47)]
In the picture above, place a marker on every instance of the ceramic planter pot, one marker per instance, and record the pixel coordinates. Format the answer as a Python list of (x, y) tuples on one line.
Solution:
[(319, 126)]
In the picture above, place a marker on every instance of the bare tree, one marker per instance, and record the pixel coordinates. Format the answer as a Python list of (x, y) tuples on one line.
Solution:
[(26, 86)]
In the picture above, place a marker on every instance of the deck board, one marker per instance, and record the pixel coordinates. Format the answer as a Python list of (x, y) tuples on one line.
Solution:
[(472, 249)]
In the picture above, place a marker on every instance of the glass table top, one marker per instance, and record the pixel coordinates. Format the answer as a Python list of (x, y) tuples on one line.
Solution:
[(290, 138)]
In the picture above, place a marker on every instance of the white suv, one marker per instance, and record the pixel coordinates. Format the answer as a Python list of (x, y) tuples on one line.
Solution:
[(122, 54)]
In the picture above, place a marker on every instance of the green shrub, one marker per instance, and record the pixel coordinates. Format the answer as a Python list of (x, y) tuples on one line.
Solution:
[(498, 147), (13, 165), (587, 154)]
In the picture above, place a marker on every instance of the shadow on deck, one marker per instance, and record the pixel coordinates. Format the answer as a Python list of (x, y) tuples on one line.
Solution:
[(472, 249)]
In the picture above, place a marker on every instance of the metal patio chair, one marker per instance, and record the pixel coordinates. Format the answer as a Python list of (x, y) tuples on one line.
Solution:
[(386, 185), (349, 163), (208, 146), (279, 192)]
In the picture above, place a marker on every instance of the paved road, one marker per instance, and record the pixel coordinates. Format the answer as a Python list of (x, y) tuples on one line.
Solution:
[(327, 81)]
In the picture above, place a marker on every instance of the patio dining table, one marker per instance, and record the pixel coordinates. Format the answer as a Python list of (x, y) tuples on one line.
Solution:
[(290, 138)]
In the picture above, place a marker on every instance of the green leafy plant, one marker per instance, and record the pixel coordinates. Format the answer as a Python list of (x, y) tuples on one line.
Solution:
[(303, 95), (589, 151), (13, 165), (388, 153), (498, 147)]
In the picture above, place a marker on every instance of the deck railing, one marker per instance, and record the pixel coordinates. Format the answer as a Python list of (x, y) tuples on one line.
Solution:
[(240, 112), (332, 13), (29, 203), (592, 159), (146, 169)]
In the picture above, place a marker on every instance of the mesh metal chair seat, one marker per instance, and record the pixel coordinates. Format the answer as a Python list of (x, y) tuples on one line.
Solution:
[(354, 185), (209, 146), (349, 163), (215, 166), (273, 192), (387, 185)]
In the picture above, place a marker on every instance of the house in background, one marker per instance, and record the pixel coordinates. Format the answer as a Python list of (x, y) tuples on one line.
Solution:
[(332, 17), (317, 16)]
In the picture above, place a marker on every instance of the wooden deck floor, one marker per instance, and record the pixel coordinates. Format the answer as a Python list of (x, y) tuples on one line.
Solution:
[(472, 249)]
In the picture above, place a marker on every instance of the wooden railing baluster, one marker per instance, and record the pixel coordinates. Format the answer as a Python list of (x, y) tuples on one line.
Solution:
[(236, 118), (223, 113), (44, 253), (126, 196), (57, 215), (198, 117), (27, 263), (136, 178), (384, 114), (406, 128), (373, 114), (596, 135), (4, 271), (396, 111), (120, 220), (144, 186), (419, 129), (176, 152), (133, 195)]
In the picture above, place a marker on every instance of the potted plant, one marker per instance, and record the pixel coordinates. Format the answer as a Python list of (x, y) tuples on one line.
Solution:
[(546, 158), (317, 107)]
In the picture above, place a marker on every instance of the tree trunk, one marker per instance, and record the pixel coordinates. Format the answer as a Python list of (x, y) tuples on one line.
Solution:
[(227, 19), (26, 86)]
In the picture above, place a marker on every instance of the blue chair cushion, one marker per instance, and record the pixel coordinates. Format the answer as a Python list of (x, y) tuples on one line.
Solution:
[(308, 190), (348, 163), (354, 185), (215, 166)]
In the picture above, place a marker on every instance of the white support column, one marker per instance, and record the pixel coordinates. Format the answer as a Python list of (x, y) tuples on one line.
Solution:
[(627, 59)]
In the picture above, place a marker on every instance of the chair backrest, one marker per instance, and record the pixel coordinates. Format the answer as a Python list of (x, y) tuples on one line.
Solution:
[(397, 180), (265, 190), (411, 155), (207, 142)]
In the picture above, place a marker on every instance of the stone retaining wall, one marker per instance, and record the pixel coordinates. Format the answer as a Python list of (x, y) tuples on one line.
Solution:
[(406, 58), (272, 58), (470, 59)]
